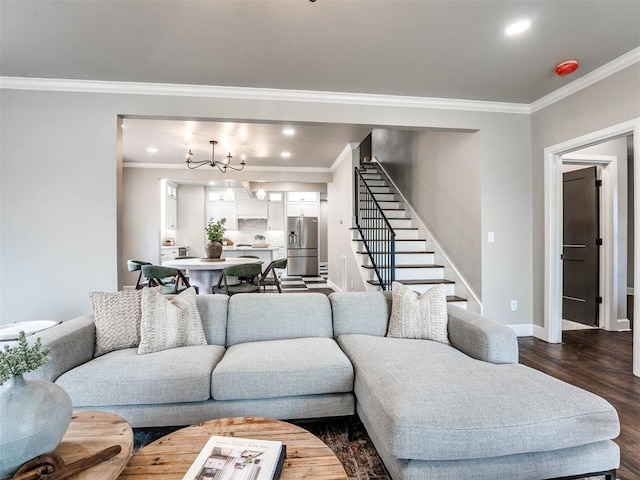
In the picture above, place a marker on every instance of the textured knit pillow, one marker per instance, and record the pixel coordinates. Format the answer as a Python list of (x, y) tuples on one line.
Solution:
[(117, 319), (421, 316), (168, 324)]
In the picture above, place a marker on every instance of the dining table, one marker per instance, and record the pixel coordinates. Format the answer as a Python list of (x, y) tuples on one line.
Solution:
[(205, 273)]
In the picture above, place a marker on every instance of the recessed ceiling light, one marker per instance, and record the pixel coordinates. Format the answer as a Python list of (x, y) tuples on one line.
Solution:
[(285, 154), (152, 150), (518, 27), (288, 131)]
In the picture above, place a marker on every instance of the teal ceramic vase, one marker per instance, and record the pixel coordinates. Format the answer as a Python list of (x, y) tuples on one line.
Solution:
[(34, 416)]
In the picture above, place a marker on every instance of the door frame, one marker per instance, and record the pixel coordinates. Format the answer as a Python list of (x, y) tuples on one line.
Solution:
[(552, 330), (608, 268)]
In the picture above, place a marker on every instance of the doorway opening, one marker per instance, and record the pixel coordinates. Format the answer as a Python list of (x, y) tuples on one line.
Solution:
[(553, 160)]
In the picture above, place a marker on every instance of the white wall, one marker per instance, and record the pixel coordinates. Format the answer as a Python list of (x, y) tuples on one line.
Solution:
[(439, 175), (611, 101), (59, 191), (339, 222)]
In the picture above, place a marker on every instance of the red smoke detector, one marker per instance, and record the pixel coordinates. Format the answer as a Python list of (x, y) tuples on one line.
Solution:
[(566, 68)]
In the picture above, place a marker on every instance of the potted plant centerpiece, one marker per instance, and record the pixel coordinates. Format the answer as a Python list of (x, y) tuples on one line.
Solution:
[(215, 232), (35, 413)]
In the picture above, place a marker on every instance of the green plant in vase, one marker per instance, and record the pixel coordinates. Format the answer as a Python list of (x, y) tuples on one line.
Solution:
[(22, 358), (215, 231)]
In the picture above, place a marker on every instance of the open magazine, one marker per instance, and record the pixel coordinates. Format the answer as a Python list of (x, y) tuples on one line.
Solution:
[(232, 458)]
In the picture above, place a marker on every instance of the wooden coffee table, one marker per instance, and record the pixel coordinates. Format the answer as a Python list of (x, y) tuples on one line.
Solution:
[(171, 456), (88, 433)]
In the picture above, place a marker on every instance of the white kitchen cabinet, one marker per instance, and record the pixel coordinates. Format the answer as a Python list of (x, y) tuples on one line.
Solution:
[(252, 208), (168, 253), (172, 212), (302, 209), (302, 204), (171, 206), (275, 219), (218, 210)]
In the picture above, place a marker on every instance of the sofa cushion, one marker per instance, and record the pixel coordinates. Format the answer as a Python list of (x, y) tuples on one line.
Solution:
[(415, 315), (360, 312), (125, 378), (213, 312), (429, 401), (117, 318), (282, 368), (254, 317), (168, 323)]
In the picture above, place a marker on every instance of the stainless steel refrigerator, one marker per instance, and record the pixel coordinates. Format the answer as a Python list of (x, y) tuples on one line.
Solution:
[(302, 245)]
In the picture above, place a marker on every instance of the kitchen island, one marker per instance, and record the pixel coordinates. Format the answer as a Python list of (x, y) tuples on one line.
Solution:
[(265, 254)]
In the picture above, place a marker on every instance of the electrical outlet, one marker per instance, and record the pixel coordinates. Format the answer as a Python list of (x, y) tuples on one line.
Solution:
[(514, 305)]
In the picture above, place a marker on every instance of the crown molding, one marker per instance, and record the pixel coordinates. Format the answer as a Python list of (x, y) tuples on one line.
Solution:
[(273, 94), (587, 80), (248, 168), (344, 154), (249, 93)]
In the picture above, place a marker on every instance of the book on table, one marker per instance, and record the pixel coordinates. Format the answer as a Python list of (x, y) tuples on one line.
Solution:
[(232, 458)]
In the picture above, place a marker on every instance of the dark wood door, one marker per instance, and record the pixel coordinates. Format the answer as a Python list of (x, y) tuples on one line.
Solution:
[(580, 252)]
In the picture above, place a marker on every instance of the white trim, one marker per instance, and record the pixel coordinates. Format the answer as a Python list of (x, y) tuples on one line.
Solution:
[(539, 332), (630, 291), (553, 228), (270, 94), (450, 264), (587, 80), (345, 154), (523, 329), (248, 93), (622, 325), (248, 168), (333, 286)]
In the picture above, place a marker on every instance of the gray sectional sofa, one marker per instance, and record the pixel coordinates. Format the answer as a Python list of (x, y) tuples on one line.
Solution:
[(462, 411)]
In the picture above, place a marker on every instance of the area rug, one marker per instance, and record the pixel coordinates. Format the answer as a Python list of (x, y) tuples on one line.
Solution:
[(358, 455)]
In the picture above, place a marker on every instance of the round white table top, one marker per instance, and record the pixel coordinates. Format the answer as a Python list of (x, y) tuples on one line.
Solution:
[(197, 264)]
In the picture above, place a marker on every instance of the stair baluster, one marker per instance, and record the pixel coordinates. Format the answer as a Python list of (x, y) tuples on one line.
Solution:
[(378, 237)]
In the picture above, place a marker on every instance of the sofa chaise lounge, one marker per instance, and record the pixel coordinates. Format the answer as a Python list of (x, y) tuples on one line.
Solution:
[(462, 411)]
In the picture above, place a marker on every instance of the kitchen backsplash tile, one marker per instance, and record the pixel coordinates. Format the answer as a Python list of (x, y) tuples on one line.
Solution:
[(249, 228)]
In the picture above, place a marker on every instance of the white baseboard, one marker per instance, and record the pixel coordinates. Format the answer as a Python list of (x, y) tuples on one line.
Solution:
[(523, 330), (128, 287), (622, 325), (334, 286), (630, 291)]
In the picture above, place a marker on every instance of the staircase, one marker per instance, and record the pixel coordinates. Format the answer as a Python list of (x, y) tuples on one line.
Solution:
[(413, 261)]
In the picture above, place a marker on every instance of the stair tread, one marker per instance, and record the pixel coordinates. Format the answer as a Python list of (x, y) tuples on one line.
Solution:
[(455, 298), (384, 228), (424, 281), (397, 240), (412, 252), (417, 265)]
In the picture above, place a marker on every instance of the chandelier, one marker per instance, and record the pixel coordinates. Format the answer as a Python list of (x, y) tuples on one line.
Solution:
[(221, 164)]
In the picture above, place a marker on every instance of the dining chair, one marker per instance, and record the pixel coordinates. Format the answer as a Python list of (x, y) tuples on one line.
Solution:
[(172, 280), (136, 266), (271, 269), (218, 286), (248, 275)]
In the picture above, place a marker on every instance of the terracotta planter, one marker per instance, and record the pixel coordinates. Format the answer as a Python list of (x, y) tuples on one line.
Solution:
[(213, 249)]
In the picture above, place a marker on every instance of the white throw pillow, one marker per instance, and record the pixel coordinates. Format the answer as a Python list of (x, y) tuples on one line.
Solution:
[(168, 324), (422, 316), (117, 320)]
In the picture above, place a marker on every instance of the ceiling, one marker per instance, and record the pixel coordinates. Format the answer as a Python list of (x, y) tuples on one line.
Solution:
[(313, 146), (431, 48)]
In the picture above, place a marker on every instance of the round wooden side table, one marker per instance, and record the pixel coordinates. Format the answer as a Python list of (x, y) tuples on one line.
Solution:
[(171, 456), (88, 433)]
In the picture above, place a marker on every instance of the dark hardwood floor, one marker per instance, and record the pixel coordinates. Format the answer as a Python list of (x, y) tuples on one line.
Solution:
[(601, 362)]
